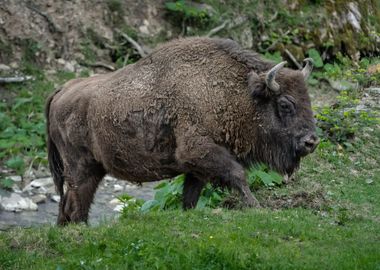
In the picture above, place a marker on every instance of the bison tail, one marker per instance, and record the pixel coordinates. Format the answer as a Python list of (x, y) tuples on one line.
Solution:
[(54, 158)]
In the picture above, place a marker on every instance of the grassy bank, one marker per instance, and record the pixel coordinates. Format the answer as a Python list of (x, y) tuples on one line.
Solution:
[(333, 224)]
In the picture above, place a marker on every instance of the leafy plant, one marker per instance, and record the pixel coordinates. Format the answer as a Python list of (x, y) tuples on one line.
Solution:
[(130, 203), (261, 175), (188, 14), (169, 193), (6, 183), (314, 54), (340, 122)]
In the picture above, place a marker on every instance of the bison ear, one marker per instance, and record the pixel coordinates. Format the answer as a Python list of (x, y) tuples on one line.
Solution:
[(257, 86)]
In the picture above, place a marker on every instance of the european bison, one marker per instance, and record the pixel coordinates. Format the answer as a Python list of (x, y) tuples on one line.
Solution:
[(200, 106)]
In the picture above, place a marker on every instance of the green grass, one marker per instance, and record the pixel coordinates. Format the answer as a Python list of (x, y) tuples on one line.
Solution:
[(252, 239)]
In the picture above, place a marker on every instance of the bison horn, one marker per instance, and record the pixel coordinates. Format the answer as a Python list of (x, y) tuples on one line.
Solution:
[(270, 78), (306, 71)]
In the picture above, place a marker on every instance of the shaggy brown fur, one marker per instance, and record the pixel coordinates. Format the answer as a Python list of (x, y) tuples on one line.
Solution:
[(198, 106)]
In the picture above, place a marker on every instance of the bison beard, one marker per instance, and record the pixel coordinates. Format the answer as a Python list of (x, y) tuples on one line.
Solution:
[(200, 106), (277, 154)]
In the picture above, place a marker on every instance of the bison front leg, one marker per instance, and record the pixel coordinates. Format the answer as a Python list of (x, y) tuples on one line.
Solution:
[(192, 189), (209, 161)]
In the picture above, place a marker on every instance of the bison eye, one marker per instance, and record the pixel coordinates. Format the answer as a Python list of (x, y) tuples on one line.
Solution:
[(286, 105)]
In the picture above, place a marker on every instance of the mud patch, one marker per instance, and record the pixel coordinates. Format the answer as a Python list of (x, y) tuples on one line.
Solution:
[(309, 200)]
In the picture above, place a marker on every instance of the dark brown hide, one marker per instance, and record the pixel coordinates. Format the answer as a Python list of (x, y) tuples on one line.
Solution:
[(198, 106)]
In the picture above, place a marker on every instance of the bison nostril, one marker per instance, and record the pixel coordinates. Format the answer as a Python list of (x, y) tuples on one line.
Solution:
[(311, 142)]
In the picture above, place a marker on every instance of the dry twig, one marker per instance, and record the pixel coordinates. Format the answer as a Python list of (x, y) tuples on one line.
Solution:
[(134, 43), (294, 60), (217, 29)]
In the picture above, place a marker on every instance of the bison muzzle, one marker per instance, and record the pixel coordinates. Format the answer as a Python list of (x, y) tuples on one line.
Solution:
[(200, 106)]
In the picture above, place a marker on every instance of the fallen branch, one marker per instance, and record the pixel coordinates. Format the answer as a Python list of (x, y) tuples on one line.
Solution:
[(294, 60), (134, 43), (15, 79), (217, 29)]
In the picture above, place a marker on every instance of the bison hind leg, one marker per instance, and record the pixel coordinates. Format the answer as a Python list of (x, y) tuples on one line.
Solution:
[(82, 180), (192, 189)]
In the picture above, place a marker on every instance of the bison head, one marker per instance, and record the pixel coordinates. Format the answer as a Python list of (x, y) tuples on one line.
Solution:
[(286, 126)]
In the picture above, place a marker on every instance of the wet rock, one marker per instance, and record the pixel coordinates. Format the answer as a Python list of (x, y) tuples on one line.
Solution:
[(117, 188), (16, 203), (39, 184), (42, 172), (39, 198), (109, 178), (114, 201), (15, 188), (55, 198), (15, 178), (118, 208)]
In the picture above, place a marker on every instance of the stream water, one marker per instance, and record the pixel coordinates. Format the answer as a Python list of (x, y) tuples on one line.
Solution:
[(101, 211)]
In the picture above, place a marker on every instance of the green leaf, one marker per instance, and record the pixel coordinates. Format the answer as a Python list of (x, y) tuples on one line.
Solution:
[(276, 57), (20, 102), (8, 132), (276, 177), (265, 178), (314, 54), (6, 183), (150, 205), (16, 163), (202, 202)]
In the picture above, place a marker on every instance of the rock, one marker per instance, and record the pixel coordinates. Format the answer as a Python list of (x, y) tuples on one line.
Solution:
[(4, 67), (373, 90), (29, 175), (16, 203), (118, 208), (128, 186), (55, 198), (14, 65), (41, 183), (343, 85), (70, 66), (354, 16), (42, 172), (15, 188), (246, 38), (144, 28), (40, 186), (15, 178), (114, 201), (109, 178), (117, 188), (39, 198), (61, 61)]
